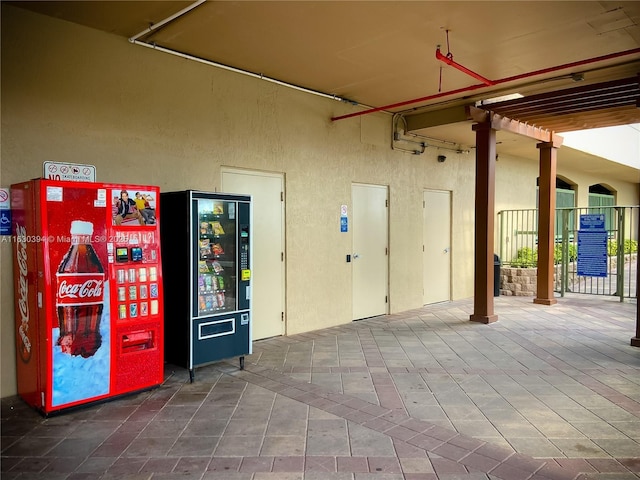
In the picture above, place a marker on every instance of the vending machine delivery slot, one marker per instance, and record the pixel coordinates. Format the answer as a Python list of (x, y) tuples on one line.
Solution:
[(217, 328), (136, 341)]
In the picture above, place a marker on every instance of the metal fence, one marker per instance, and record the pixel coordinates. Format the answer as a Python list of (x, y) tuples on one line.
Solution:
[(518, 247)]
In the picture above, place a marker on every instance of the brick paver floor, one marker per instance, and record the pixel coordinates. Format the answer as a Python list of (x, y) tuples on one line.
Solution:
[(547, 392)]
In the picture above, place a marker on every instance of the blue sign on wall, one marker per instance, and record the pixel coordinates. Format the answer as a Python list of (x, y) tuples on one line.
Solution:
[(5, 222), (344, 224)]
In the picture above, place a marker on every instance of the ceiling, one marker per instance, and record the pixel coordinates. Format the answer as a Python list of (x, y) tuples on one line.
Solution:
[(382, 54)]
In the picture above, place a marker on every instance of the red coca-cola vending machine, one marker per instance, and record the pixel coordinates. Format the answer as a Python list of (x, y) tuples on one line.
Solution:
[(88, 291)]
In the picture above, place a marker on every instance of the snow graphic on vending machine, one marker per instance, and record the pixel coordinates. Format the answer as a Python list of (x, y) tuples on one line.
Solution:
[(76, 378)]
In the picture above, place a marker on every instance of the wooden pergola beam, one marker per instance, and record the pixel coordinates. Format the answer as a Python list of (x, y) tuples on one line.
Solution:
[(465, 113), (498, 122)]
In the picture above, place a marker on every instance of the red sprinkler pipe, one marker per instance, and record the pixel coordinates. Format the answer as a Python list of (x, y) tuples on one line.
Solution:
[(496, 82), (448, 59)]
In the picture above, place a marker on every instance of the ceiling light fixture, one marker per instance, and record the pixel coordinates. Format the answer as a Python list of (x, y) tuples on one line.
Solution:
[(501, 98)]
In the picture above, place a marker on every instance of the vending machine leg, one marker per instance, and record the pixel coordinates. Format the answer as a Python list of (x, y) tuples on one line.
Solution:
[(191, 375), (242, 363)]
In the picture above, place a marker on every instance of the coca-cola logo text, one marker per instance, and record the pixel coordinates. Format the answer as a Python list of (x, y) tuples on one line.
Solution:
[(85, 290), (24, 349)]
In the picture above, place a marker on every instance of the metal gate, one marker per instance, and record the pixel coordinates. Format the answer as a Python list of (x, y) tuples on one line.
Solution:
[(518, 247)]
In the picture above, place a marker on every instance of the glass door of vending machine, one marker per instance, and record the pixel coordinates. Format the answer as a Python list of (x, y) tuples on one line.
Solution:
[(216, 257)]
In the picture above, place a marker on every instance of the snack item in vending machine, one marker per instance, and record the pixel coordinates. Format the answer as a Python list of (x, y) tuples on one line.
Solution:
[(217, 228), (217, 267), (210, 302), (220, 298), (205, 248), (80, 294), (205, 228)]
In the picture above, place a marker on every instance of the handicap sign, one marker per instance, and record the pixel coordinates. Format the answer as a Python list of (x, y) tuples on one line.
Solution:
[(5, 212), (5, 222)]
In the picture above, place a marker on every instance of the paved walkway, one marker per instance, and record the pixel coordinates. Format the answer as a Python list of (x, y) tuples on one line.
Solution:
[(544, 393)]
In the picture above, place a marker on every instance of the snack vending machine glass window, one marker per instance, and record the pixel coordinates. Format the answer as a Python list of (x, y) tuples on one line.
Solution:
[(207, 277)]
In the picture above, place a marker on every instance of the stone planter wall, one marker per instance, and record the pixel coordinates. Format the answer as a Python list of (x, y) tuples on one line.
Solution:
[(522, 281), (518, 281)]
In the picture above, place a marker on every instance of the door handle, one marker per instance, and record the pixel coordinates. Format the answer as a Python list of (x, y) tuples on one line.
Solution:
[(446, 250), (355, 255)]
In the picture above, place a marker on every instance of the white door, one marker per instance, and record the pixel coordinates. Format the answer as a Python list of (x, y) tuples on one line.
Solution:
[(370, 250), (268, 276), (437, 246)]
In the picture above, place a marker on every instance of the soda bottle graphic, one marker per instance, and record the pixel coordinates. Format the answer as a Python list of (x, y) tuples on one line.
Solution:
[(80, 294)]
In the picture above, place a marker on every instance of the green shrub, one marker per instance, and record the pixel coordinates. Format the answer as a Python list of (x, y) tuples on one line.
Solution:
[(630, 246), (557, 253), (525, 257)]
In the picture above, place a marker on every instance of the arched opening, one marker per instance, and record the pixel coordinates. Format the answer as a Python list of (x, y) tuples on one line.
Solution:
[(566, 200), (601, 200)]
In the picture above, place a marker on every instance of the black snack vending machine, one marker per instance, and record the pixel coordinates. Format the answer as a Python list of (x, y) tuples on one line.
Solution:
[(206, 241)]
